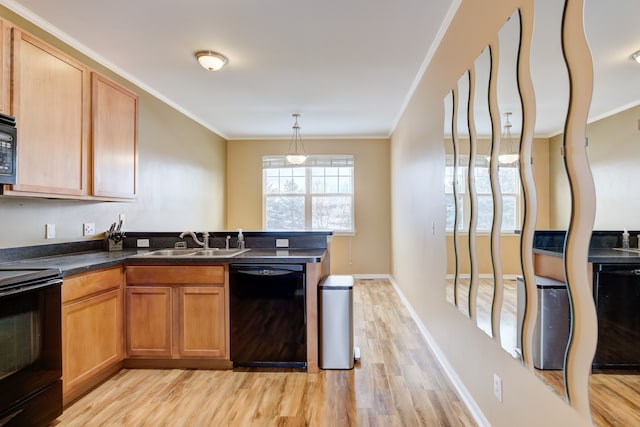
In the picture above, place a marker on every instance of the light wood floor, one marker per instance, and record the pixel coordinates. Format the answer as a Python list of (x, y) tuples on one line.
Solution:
[(397, 383)]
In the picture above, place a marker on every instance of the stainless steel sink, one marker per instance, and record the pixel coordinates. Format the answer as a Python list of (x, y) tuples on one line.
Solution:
[(219, 252), (193, 252), (172, 252)]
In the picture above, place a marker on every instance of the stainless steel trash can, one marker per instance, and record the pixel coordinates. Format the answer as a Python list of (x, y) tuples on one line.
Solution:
[(335, 308), (552, 325)]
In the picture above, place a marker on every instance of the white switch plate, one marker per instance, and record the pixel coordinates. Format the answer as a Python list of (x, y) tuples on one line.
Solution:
[(49, 231), (88, 229), (282, 243), (142, 243), (497, 387)]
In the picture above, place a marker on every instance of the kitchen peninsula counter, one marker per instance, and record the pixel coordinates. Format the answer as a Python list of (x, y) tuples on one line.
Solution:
[(77, 258)]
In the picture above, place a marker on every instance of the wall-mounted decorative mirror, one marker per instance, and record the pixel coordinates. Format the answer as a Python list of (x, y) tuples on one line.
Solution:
[(484, 193), (613, 151), (613, 134), (550, 79), (463, 282), (450, 189), (510, 118)]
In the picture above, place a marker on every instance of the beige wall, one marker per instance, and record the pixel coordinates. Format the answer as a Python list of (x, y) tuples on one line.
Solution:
[(365, 253), (181, 180), (417, 168), (613, 151)]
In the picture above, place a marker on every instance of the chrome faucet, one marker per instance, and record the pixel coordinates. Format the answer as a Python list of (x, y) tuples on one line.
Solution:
[(205, 238)]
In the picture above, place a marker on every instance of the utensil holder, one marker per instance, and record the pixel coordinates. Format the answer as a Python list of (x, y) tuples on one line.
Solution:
[(112, 245)]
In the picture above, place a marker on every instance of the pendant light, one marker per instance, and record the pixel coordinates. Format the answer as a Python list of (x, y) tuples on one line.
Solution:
[(296, 156), (512, 155)]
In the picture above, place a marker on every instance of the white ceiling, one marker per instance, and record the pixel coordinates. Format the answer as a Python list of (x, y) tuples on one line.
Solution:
[(348, 67)]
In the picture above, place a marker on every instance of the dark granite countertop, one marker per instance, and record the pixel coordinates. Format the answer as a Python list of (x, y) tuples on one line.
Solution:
[(599, 255), (74, 263), (253, 256), (79, 262)]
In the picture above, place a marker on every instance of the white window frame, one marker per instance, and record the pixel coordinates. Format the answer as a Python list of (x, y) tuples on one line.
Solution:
[(279, 162), (463, 186)]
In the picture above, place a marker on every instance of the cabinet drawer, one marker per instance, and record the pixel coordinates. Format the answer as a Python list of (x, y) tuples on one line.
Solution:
[(166, 275), (85, 284)]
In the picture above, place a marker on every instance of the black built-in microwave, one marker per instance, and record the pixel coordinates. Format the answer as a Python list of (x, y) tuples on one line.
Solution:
[(7, 149)]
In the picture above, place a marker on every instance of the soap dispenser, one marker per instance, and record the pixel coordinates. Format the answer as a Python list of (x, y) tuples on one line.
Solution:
[(625, 239), (241, 239)]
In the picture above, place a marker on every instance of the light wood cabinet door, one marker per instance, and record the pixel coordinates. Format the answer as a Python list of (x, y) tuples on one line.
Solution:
[(50, 101), (201, 322), (92, 336), (5, 67), (114, 139), (149, 321)]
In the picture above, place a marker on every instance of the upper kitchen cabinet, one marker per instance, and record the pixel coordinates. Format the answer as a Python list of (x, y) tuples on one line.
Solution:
[(114, 138), (5, 56), (50, 96), (77, 130)]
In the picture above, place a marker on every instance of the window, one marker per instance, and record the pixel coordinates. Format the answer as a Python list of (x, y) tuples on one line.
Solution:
[(509, 185), (315, 196)]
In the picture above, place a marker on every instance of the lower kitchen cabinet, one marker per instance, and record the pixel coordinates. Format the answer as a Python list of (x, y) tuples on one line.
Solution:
[(201, 321), (92, 330), (149, 321), (176, 312)]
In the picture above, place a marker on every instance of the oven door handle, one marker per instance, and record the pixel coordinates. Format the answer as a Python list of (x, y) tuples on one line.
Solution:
[(18, 289)]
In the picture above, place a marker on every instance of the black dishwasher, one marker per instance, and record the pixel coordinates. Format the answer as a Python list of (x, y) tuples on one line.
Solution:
[(268, 315), (617, 298)]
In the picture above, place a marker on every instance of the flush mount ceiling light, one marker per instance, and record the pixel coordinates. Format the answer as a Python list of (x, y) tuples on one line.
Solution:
[(510, 156), (297, 156), (636, 56), (210, 60)]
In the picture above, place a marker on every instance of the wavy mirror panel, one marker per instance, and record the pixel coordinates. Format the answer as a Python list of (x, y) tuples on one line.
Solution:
[(463, 282), (551, 82), (613, 151), (450, 189), (511, 195), (484, 193)]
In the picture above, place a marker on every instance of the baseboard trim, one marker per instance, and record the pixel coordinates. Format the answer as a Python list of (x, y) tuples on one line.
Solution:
[(370, 276), (464, 394)]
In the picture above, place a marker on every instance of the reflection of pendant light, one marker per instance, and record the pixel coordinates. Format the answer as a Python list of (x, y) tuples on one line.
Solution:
[(296, 157), (510, 156), (636, 56)]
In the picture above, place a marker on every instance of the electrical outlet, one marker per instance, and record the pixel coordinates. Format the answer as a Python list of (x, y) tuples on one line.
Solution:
[(497, 387), (49, 231), (89, 229)]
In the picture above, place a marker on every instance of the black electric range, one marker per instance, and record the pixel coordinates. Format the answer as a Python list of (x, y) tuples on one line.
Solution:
[(31, 346)]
